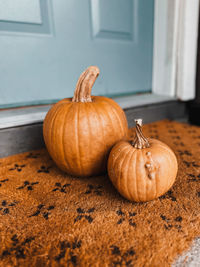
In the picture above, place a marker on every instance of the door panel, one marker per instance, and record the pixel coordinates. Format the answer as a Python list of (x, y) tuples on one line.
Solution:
[(43, 55), (24, 16), (118, 25), (27, 11)]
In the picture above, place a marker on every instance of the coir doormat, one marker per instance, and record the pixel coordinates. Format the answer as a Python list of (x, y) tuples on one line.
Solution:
[(50, 219)]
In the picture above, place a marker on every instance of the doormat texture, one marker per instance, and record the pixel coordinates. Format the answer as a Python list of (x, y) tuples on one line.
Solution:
[(48, 218)]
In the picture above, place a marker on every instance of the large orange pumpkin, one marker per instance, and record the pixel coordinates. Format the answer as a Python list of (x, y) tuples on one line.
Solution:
[(142, 169), (80, 131)]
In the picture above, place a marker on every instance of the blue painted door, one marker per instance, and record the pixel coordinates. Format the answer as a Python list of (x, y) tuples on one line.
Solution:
[(46, 44)]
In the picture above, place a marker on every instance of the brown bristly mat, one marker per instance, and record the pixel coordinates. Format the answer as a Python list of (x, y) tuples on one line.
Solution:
[(48, 218)]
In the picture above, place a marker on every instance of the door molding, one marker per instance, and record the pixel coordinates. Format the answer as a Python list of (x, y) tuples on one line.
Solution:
[(175, 48)]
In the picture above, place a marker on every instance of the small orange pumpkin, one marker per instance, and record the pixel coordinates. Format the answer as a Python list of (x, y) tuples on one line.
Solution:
[(80, 131), (142, 169)]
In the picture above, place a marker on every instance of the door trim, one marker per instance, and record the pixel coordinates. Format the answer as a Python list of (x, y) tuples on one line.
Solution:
[(175, 48)]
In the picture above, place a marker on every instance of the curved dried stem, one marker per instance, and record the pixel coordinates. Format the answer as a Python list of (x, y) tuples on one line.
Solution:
[(140, 140), (84, 85)]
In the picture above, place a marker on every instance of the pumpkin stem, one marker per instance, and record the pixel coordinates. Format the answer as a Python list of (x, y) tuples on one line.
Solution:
[(140, 140), (84, 85)]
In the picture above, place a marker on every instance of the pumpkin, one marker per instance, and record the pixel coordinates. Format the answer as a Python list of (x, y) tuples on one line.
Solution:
[(142, 169), (80, 131)]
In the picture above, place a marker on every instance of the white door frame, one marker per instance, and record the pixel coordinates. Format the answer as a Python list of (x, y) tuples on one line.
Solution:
[(175, 48)]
